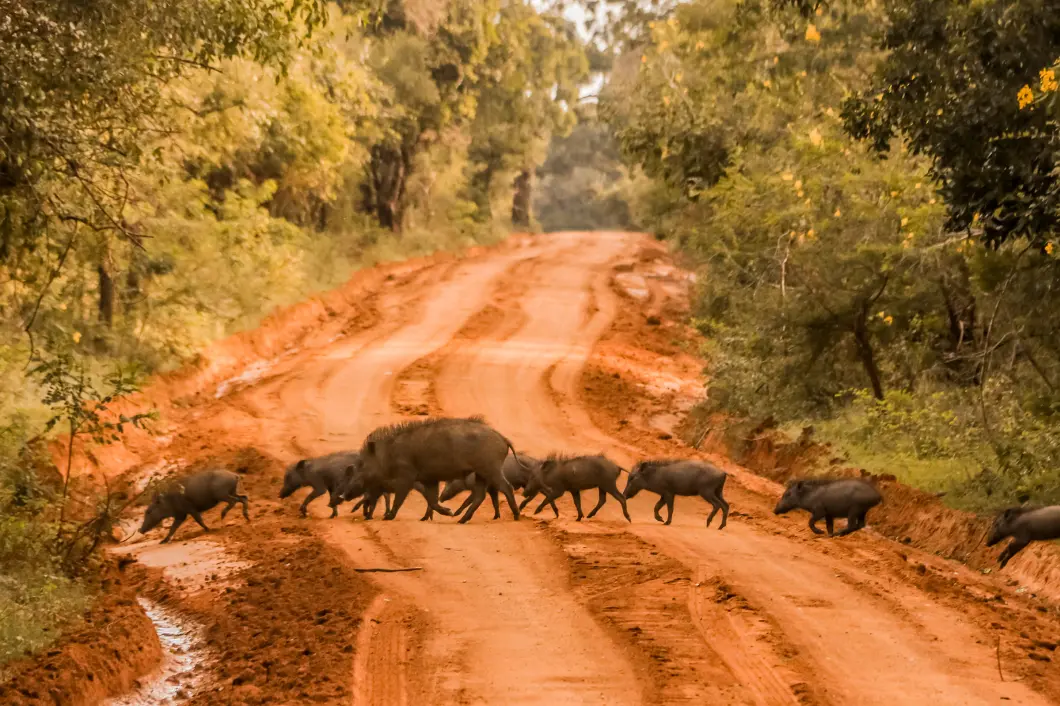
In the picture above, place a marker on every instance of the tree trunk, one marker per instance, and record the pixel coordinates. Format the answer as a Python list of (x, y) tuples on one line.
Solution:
[(865, 352), (389, 170), (961, 314), (521, 199), (106, 296)]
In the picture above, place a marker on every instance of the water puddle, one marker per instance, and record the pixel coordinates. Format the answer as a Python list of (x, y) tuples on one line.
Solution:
[(177, 678)]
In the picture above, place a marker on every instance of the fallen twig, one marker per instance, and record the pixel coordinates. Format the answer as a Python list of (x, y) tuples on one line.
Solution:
[(388, 571), (999, 674), (679, 578)]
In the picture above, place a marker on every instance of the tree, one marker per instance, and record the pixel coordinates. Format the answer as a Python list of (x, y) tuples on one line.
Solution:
[(950, 87), (528, 89)]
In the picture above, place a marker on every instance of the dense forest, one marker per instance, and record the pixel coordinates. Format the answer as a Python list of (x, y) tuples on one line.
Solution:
[(172, 171), (869, 191)]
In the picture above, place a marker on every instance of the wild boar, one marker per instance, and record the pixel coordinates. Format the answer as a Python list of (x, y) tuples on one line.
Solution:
[(431, 451), (324, 474), (669, 478), (1024, 525), (560, 474), (517, 470), (829, 499), (194, 496)]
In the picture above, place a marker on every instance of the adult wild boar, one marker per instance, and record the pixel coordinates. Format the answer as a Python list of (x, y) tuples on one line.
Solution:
[(194, 496), (324, 474), (1024, 525), (828, 499), (560, 474), (670, 478), (517, 470), (430, 451)]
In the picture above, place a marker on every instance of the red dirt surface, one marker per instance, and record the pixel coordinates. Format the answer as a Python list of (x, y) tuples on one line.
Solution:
[(100, 658), (571, 342)]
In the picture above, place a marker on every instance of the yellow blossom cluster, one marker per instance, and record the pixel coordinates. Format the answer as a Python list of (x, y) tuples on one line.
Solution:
[(812, 35), (1025, 97), (1047, 78)]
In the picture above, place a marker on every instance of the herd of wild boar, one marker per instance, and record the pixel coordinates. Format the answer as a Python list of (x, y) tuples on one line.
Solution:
[(469, 455)]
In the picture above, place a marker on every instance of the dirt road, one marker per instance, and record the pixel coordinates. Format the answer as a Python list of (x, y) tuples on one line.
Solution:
[(555, 611)]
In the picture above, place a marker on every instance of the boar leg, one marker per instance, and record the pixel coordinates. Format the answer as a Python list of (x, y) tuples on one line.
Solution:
[(245, 502), (358, 505), (829, 522), (308, 499), (659, 506), (719, 503), (195, 515), (669, 508), (430, 494), (523, 504), (178, 520), (1014, 547), (496, 498), (599, 503), (505, 487), (401, 491), (613, 492), (549, 500), (478, 494), (814, 518), (576, 496), (231, 504), (853, 525)]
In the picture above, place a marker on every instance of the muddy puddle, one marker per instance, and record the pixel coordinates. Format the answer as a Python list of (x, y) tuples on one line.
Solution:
[(178, 677)]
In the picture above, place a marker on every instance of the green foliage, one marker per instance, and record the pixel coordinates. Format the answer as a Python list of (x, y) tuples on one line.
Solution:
[(949, 86), (834, 289), (172, 172), (582, 182)]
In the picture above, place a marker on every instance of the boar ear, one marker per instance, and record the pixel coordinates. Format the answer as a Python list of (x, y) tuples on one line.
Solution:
[(301, 464), (350, 470)]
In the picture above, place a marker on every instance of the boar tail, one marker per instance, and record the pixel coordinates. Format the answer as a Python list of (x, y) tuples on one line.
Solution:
[(517, 459)]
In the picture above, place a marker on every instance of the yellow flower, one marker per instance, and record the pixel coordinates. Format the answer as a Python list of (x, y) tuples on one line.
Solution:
[(1049, 248), (798, 185), (819, 11), (917, 185), (810, 234), (812, 35), (904, 221), (700, 45), (666, 100), (1048, 80), (932, 202), (1025, 97), (888, 320), (776, 59), (815, 137), (975, 218), (893, 194), (787, 176), (802, 74), (77, 337), (939, 112), (799, 193), (767, 83), (643, 59), (838, 213)]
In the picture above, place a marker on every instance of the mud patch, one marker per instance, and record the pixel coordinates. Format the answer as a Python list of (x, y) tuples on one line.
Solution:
[(285, 630), (114, 646), (182, 654), (641, 597)]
